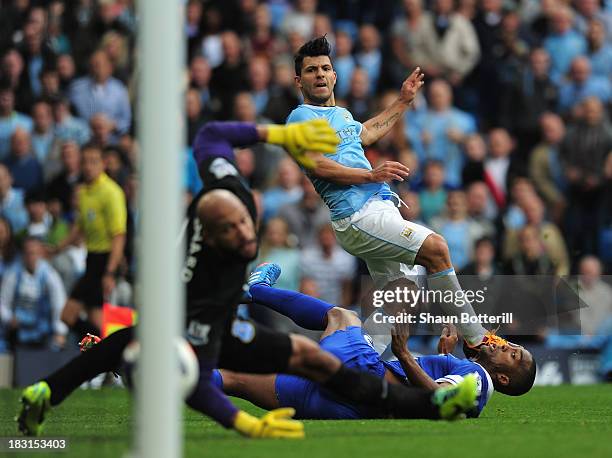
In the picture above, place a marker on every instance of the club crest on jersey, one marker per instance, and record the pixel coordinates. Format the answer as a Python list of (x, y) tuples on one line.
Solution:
[(197, 333), (407, 232), (347, 117), (243, 330)]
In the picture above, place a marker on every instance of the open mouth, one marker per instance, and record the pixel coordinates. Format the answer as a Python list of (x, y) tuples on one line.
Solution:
[(321, 85)]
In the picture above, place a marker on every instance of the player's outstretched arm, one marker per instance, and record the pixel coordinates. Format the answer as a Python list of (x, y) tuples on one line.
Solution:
[(329, 170), (415, 373), (381, 124)]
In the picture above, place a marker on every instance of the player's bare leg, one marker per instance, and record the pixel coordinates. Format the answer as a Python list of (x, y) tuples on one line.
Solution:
[(258, 389)]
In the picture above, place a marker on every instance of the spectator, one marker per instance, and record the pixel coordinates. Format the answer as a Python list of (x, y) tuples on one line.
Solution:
[(459, 231), (267, 157), (600, 51), (101, 221), (63, 186), (432, 196), (369, 56), (305, 217), (100, 92), (11, 201), (282, 93), (68, 127), (300, 20), (11, 71), (259, 77), (521, 190), (545, 165), (583, 152), (330, 267), (66, 70), (8, 249), (412, 210), (549, 235), (116, 165), (476, 153), (480, 207), (344, 64), (483, 265), (277, 246), (199, 80), (26, 170), (596, 295), (442, 132), (37, 54), (589, 11), (564, 43), (101, 130), (50, 83), (451, 48), (116, 47), (31, 300), (581, 84), (407, 43), (500, 167), (193, 25), (530, 257), (358, 101), (195, 118), (10, 120), (262, 41), (287, 191), (231, 76), (39, 219), (523, 102), (43, 134)]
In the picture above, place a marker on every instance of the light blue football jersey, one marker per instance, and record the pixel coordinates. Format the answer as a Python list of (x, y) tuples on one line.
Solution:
[(448, 368), (342, 200)]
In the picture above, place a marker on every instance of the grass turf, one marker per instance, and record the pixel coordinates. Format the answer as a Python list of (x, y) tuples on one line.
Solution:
[(565, 421)]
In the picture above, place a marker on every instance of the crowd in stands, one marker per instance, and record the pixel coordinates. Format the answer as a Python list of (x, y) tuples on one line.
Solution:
[(509, 144)]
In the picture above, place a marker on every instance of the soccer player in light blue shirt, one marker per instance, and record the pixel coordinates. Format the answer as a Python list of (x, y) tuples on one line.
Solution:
[(366, 221)]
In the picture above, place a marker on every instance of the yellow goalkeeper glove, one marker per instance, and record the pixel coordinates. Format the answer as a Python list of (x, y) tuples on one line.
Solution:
[(276, 423), (315, 135)]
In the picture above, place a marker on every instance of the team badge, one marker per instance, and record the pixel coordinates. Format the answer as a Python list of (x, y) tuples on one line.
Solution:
[(407, 232), (243, 330)]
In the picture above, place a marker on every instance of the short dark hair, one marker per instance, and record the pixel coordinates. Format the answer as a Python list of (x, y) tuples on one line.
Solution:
[(313, 48), (521, 381)]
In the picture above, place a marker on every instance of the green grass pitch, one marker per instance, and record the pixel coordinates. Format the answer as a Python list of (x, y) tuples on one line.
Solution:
[(565, 421)]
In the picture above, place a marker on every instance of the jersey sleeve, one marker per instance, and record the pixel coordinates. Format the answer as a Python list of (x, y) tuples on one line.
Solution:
[(217, 139), (301, 114), (459, 368)]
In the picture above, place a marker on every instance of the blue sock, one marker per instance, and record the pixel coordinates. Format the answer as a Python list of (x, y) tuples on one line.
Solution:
[(305, 311), (217, 379)]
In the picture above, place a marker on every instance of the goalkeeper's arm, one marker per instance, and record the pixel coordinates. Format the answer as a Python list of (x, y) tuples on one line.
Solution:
[(217, 139)]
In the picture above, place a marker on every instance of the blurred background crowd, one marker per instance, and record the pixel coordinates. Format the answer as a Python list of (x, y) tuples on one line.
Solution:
[(509, 145)]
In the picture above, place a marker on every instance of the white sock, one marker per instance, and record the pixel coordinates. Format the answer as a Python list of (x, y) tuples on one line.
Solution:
[(447, 281)]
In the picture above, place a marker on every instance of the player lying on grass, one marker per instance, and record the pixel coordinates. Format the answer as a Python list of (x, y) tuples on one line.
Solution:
[(498, 366), (221, 242)]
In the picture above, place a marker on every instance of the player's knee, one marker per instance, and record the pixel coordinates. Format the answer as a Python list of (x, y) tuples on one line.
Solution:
[(339, 318), (434, 254)]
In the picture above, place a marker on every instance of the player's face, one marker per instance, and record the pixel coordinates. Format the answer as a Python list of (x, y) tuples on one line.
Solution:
[(317, 80), (235, 232), (509, 356)]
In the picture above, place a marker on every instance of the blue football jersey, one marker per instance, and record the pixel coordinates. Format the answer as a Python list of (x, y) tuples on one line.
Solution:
[(342, 200), (448, 368)]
